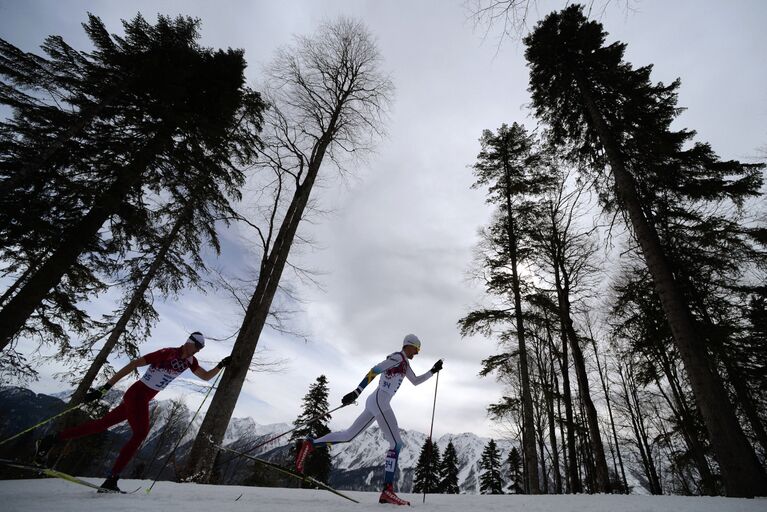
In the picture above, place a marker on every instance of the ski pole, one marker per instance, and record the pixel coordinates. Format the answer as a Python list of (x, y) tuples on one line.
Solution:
[(431, 431), (33, 427), (302, 424), (181, 437)]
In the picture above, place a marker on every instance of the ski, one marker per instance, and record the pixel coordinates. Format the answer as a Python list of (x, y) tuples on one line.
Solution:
[(58, 474), (290, 472)]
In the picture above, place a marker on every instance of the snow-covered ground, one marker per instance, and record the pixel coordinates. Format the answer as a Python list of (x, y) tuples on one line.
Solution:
[(54, 495)]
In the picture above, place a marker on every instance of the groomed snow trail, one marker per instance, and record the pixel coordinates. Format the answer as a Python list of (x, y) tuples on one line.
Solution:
[(54, 495)]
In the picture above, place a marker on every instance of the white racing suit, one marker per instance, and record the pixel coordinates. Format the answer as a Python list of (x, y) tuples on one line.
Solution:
[(377, 407)]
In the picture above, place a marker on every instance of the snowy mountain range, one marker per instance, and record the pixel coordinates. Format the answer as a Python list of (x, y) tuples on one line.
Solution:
[(357, 465)]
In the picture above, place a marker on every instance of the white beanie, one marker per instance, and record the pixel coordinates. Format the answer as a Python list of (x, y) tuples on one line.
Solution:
[(197, 338), (412, 339)]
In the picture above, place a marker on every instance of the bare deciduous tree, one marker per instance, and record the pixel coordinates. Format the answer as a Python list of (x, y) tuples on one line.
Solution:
[(328, 97)]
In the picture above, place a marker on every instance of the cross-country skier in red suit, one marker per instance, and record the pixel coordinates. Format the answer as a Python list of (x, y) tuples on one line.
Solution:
[(164, 366)]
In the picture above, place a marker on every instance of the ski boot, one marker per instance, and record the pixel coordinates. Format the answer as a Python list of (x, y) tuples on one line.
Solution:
[(110, 484), (43, 448), (388, 496)]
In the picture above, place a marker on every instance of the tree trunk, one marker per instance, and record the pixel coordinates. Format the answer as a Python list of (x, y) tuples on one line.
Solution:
[(745, 398), (199, 465), (587, 455), (606, 390), (678, 468), (738, 381), (22, 305), (572, 468), (531, 458), (595, 439), (647, 463), (18, 283), (138, 294), (742, 473), (553, 433), (687, 422)]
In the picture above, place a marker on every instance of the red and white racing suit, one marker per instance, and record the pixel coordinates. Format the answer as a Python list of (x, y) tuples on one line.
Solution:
[(165, 365)]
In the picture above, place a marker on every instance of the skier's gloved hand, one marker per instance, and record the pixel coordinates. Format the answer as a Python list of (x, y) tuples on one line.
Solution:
[(349, 398), (437, 366), (224, 362), (94, 394)]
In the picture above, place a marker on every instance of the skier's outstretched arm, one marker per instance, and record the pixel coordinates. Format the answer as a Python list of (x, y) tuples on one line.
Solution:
[(419, 379), (125, 370), (209, 374), (96, 393), (389, 362)]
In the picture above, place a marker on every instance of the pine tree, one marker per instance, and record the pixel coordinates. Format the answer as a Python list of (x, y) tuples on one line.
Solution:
[(448, 474), (516, 174), (154, 113), (490, 478), (517, 484), (426, 477), (613, 117), (315, 405)]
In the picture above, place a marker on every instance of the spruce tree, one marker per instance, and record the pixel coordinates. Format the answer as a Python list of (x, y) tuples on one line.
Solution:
[(490, 479), (448, 474), (613, 117), (155, 113), (426, 477), (514, 461), (315, 405)]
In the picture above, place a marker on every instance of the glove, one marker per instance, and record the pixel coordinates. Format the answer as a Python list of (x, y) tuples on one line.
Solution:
[(349, 398), (224, 362), (94, 394), (437, 366)]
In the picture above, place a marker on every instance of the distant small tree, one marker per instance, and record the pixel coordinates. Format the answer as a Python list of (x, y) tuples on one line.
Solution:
[(448, 483), (315, 402), (427, 469), (514, 460), (490, 479)]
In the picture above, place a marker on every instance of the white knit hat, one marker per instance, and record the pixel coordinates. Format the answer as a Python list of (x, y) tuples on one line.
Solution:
[(197, 338), (412, 339)]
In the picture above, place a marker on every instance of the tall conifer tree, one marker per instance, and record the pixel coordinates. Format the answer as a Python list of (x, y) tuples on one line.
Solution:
[(613, 117), (154, 113)]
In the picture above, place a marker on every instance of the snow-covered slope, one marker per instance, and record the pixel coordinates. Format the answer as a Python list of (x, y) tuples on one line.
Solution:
[(60, 496)]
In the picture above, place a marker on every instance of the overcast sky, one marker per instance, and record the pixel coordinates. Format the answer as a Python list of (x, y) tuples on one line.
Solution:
[(395, 251)]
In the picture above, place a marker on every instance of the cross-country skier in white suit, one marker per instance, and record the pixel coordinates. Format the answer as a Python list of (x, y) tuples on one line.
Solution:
[(377, 407)]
